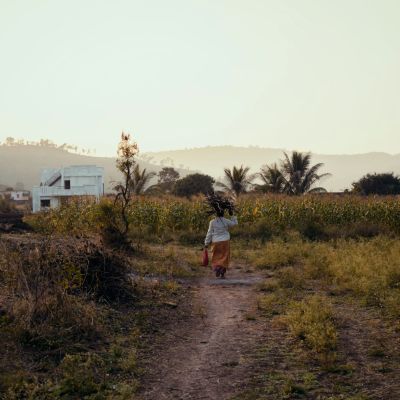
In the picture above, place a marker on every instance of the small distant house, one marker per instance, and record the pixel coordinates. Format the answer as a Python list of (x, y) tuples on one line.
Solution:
[(58, 185), (20, 196)]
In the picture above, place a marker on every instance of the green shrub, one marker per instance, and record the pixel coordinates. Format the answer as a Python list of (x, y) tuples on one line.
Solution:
[(262, 230), (79, 376), (82, 375), (311, 320), (279, 253), (311, 229), (191, 238), (290, 278), (317, 263), (358, 229)]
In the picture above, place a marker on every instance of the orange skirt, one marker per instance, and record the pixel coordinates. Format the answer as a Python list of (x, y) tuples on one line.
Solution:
[(220, 254)]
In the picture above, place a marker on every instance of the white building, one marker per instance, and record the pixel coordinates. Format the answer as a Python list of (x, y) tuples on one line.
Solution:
[(59, 184), (20, 195), (16, 196)]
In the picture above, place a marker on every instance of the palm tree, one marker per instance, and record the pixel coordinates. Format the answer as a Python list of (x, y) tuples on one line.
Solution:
[(274, 181), (299, 175), (140, 179), (238, 180)]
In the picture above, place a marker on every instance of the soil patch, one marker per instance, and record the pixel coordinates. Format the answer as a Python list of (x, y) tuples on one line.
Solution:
[(210, 354)]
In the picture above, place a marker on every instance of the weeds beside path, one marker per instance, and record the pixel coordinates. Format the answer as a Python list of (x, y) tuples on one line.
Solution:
[(294, 319), (232, 340)]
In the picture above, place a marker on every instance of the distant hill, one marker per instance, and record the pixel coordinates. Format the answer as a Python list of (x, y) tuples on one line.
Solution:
[(23, 163), (345, 169)]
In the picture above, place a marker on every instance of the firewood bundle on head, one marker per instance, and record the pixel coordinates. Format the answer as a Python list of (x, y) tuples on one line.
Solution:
[(217, 204)]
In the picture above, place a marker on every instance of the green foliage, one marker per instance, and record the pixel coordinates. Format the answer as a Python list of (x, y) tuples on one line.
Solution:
[(295, 176), (316, 217), (75, 218), (326, 210), (367, 268), (382, 184), (273, 179), (167, 178), (80, 376), (168, 175), (238, 180), (262, 230), (140, 180), (279, 253), (291, 278), (312, 320), (364, 268), (194, 184), (83, 375), (299, 176)]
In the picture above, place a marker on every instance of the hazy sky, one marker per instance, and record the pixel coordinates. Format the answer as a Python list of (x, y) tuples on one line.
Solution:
[(320, 75)]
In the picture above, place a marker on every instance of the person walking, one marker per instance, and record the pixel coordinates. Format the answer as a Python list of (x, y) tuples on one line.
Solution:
[(218, 235)]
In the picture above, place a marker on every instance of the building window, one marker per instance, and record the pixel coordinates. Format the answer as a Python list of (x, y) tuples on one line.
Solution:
[(45, 203), (67, 184)]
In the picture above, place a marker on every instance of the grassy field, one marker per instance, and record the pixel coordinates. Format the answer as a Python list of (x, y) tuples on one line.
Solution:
[(331, 311), (76, 316)]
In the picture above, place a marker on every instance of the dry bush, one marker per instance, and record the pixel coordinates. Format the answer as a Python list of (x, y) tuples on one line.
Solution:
[(50, 287), (6, 206)]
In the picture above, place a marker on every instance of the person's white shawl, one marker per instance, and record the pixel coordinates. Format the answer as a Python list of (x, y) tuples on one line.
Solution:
[(218, 230)]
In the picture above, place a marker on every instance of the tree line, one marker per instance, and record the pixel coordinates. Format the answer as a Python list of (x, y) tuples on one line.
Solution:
[(293, 175), (47, 143)]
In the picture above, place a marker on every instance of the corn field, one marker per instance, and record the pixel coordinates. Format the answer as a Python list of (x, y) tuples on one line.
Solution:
[(170, 214)]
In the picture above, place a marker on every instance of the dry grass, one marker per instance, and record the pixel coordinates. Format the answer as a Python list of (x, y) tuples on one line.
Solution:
[(367, 269), (72, 315), (335, 308)]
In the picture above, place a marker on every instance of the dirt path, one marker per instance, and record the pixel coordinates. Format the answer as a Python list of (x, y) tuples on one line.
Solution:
[(209, 355)]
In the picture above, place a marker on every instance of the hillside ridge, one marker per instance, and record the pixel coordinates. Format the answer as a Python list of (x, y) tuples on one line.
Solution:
[(23, 163)]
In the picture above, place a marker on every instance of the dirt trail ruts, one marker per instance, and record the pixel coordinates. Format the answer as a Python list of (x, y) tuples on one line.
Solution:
[(209, 355)]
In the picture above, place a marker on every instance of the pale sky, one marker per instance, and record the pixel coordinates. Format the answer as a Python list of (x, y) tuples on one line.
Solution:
[(320, 75)]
